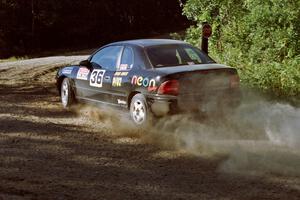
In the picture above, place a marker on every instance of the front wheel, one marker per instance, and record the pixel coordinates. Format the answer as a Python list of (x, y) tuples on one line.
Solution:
[(139, 111), (66, 92)]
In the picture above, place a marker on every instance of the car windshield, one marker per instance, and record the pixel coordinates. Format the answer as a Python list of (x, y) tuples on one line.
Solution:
[(174, 55)]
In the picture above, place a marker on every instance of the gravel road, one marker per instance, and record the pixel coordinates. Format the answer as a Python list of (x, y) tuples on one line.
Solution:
[(47, 152)]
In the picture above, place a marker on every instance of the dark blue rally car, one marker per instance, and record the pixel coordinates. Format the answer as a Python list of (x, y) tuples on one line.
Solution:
[(151, 77)]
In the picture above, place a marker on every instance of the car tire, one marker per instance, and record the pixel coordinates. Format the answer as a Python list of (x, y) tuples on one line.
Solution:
[(66, 93), (139, 111)]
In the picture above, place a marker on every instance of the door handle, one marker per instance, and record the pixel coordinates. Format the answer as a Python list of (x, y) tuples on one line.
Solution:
[(107, 77)]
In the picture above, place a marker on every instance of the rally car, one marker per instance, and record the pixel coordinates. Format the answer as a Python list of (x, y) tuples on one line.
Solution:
[(150, 77)]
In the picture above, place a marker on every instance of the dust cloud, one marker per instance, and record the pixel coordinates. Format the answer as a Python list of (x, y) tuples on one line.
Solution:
[(259, 137), (116, 122)]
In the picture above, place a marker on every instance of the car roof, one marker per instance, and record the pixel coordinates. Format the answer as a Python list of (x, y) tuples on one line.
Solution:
[(149, 42)]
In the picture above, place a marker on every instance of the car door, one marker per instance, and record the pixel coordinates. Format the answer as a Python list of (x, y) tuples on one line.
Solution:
[(121, 82), (103, 66)]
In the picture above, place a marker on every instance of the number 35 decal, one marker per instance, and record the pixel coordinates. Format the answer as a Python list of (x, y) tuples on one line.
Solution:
[(96, 78)]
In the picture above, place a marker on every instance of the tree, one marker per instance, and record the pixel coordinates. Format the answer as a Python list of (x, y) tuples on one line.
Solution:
[(30, 26), (260, 38)]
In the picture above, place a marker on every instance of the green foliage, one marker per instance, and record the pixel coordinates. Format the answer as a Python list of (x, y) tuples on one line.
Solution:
[(281, 78), (14, 58), (260, 38)]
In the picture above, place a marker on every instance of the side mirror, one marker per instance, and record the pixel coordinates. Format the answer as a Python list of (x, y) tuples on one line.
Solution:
[(85, 63)]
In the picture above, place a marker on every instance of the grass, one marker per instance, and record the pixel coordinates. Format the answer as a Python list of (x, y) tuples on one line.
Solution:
[(13, 58)]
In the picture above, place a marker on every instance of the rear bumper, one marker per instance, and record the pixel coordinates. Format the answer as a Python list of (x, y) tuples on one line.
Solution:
[(162, 105), (165, 104)]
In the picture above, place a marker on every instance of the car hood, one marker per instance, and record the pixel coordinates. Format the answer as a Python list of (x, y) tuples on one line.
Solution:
[(190, 68)]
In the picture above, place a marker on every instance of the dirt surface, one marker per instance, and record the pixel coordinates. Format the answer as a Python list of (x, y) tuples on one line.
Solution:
[(47, 152)]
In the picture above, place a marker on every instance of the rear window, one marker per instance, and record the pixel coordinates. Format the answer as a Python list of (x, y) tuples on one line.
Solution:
[(175, 55)]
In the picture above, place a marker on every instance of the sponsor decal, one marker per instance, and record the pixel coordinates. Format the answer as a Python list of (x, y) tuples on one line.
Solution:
[(118, 73), (123, 67), (96, 78), (124, 73), (117, 82), (121, 102), (67, 70), (117, 79), (145, 82), (83, 73)]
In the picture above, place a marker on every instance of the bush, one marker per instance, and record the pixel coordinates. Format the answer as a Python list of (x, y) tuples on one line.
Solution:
[(260, 38), (282, 79)]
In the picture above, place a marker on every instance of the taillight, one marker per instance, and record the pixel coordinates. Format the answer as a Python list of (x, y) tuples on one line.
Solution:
[(170, 87), (234, 81)]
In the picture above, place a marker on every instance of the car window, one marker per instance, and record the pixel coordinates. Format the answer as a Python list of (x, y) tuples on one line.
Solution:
[(107, 58), (178, 57), (175, 55), (127, 59), (193, 55), (163, 56)]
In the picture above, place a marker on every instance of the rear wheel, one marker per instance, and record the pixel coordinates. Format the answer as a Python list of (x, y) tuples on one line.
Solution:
[(139, 111), (67, 95)]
